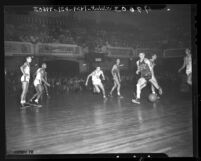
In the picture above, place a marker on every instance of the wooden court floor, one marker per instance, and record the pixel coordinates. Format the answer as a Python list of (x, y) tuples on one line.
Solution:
[(83, 123)]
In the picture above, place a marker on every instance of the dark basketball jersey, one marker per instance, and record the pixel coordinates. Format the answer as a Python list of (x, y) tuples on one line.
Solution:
[(116, 70), (144, 70)]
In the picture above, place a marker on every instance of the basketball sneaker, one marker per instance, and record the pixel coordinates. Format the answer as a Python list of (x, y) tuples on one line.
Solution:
[(120, 96), (22, 102), (110, 95), (36, 101), (104, 97), (30, 101), (137, 101)]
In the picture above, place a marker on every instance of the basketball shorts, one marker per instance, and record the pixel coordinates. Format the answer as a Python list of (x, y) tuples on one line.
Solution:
[(188, 72), (37, 82), (96, 81), (116, 79), (147, 76), (25, 78)]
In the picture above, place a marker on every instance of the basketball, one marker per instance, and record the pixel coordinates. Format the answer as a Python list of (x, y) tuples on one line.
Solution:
[(152, 97)]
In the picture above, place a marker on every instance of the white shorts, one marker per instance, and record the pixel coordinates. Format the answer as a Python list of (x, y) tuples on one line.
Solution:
[(37, 82), (188, 72), (96, 81), (25, 78)]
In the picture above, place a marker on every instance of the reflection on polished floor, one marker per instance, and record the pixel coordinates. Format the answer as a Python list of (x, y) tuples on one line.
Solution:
[(84, 123)]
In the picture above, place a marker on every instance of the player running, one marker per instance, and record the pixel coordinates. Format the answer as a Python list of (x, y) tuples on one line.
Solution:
[(117, 79), (144, 67), (45, 86), (96, 80), (25, 69), (38, 83), (188, 64)]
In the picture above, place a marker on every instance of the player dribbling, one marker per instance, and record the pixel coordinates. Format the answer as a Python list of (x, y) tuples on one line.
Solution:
[(144, 67), (96, 80)]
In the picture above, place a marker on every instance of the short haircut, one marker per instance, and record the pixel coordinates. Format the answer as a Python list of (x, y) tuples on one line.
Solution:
[(142, 53)]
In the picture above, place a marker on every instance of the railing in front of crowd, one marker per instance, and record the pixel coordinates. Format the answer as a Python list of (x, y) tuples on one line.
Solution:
[(58, 49), (18, 48), (41, 49), (120, 52), (72, 50), (149, 52), (171, 53)]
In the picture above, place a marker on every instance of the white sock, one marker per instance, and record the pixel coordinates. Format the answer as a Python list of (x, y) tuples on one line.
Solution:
[(22, 101)]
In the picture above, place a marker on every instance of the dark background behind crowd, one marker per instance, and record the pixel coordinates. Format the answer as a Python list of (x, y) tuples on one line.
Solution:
[(95, 35)]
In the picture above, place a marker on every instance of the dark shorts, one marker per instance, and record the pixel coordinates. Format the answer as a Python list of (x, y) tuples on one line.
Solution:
[(116, 79), (147, 76)]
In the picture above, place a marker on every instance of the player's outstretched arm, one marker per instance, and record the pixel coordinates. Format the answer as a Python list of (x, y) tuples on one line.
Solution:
[(103, 75), (45, 82), (183, 66), (88, 78)]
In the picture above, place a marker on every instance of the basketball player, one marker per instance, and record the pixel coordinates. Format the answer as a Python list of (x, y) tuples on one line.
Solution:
[(45, 86), (144, 67), (152, 63), (116, 77), (25, 69), (188, 64), (38, 83), (96, 80)]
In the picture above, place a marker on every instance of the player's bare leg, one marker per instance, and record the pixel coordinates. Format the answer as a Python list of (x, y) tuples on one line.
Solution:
[(97, 90), (40, 92), (189, 79), (113, 88), (154, 91), (156, 85), (140, 85), (24, 92), (46, 90), (36, 94), (103, 89), (118, 89), (153, 87)]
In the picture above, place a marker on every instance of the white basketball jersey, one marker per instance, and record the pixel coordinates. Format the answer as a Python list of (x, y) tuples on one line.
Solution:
[(96, 75), (189, 64), (39, 74)]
